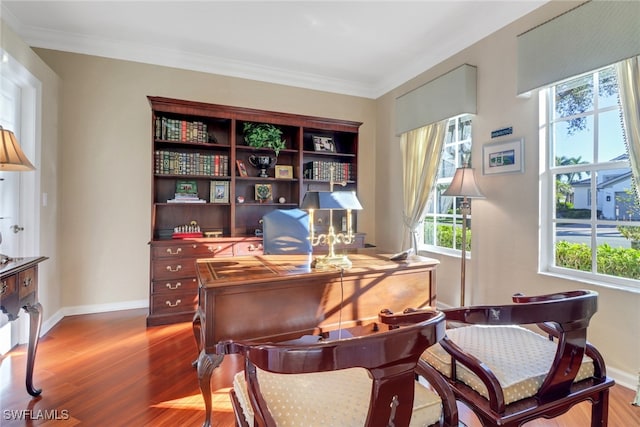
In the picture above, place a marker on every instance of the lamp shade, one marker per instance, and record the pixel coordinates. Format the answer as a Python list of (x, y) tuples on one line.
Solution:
[(464, 184), (331, 200), (11, 156)]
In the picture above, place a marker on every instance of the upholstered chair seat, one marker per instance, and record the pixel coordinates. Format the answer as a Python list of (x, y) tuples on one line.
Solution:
[(369, 380), (519, 358), (310, 399), (508, 374)]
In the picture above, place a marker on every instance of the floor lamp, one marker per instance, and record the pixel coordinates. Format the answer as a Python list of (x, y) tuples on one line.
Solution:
[(464, 185)]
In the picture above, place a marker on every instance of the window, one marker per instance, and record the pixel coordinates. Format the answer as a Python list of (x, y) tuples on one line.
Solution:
[(442, 211), (590, 215)]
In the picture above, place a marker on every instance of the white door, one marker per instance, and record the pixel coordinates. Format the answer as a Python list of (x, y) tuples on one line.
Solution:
[(19, 198)]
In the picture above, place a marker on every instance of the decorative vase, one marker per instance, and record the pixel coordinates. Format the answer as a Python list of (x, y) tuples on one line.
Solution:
[(262, 162)]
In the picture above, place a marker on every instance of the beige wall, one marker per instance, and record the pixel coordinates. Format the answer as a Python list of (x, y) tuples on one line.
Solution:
[(50, 286), (505, 225), (106, 162), (103, 167)]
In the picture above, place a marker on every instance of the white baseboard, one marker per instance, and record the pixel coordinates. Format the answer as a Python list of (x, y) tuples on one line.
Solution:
[(90, 309)]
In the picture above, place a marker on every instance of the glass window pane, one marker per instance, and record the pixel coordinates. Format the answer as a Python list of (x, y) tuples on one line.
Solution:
[(451, 131), (572, 195), (464, 128), (575, 146), (607, 88), (574, 97), (573, 246), (610, 137), (447, 162)]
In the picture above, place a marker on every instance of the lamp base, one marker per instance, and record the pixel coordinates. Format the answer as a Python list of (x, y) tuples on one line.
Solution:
[(327, 262)]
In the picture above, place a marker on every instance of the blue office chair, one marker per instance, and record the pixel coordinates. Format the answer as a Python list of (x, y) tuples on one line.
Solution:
[(286, 232)]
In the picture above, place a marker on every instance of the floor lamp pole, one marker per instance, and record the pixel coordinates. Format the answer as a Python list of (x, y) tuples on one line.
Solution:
[(465, 209)]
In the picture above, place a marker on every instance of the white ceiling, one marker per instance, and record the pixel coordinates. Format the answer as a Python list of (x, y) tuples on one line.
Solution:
[(361, 48)]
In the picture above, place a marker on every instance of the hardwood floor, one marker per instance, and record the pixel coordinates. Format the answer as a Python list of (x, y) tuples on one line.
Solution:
[(111, 370)]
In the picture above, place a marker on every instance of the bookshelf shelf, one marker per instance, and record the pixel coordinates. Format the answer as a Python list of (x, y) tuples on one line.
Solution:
[(201, 143)]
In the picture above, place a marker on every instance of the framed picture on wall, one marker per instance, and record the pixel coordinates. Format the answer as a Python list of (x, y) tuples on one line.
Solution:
[(502, 157)]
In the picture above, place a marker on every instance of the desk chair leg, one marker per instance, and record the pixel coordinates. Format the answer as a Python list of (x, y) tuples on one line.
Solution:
[(600, 410), (206, 364)]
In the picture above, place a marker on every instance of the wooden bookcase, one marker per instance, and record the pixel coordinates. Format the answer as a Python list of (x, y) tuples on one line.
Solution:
[(192, 142)]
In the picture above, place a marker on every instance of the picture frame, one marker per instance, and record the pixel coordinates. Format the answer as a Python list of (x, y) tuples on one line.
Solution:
[(503, 157), (283, 172), (219, 192), (242, 169), (263, 193), (323, 144), (186, 187)]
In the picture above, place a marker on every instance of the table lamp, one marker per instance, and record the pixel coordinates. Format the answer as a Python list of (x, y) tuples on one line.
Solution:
[(331, 200)]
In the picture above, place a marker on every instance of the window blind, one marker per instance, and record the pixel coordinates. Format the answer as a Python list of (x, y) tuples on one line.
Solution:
[(449, 95), (591, 36)]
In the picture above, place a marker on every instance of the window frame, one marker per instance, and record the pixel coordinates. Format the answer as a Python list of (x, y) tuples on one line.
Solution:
[(548, 171), (462, 152)]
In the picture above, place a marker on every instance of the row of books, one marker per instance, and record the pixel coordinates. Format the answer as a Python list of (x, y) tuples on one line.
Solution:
[(175, 163), (321, 171), (181, 130)]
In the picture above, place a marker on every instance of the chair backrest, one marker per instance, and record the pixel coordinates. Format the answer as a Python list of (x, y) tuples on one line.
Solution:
[(390, 358), (563, 315), (286, 231)]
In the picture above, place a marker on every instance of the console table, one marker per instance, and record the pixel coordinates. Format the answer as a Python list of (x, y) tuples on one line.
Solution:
[(281, 297), (19, 289)]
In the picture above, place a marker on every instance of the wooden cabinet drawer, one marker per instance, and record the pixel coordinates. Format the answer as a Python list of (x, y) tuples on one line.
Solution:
[(7, 287), (27, 282), (174, 286), (174, 303), (192, 250), (171, 269), (248, 248)]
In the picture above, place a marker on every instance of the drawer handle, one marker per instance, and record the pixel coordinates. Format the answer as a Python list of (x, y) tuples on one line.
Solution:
[(178, 268), (174, 287), (4, 288), (255, 248), (27, 282), (212, 249), (177, 251), (177, 303)]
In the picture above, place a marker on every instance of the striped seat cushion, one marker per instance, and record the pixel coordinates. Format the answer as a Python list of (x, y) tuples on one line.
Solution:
[(324, 399), (518, 357)]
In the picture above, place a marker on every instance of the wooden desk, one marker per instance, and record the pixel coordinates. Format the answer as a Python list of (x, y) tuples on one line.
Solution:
[(280, 297), (19, 289)]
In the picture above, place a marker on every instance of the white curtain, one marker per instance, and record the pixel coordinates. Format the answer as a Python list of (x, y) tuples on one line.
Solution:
[(421, 151), (629, 89)]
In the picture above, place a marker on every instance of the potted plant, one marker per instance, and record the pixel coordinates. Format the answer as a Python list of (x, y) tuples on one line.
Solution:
[(264, 135)]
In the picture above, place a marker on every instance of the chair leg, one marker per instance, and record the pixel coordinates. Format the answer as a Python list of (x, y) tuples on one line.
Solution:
[(600, 410)]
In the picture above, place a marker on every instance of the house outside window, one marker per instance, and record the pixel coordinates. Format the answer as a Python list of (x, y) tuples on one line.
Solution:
[(590, 213), (443, 212)]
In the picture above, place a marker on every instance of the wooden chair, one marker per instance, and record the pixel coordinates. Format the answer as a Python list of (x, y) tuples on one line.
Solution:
[(369, 380), (508, 374)]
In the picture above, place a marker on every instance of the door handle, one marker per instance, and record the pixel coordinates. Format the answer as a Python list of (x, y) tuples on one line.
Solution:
[(16, 228)]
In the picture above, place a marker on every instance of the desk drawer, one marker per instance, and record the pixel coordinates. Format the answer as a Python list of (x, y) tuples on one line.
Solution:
[(27, 282), (7, 287), (174, 303), (174, 286), (192, 250), (248, 248)]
